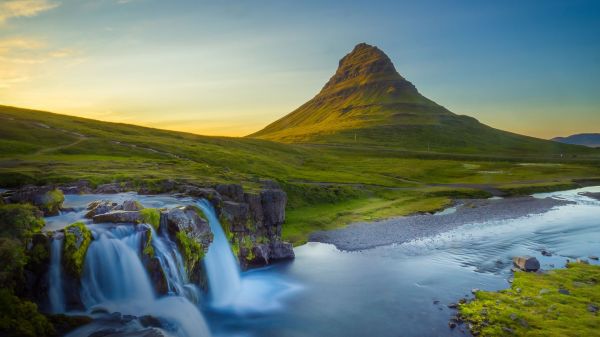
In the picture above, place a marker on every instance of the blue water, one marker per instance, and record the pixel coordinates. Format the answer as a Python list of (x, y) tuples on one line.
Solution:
[(385, 291)]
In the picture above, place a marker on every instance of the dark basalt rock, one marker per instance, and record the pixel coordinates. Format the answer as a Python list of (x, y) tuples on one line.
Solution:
[(231, 192), (78, 187), (526, 263)]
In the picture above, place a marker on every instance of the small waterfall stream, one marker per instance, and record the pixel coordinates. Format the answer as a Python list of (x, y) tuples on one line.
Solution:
[(221, 266), (56, 293)]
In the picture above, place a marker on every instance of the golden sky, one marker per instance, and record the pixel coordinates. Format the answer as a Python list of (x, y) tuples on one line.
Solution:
[(230, 68)]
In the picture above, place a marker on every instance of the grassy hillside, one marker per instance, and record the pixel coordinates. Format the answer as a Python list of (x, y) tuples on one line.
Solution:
[(354, 182), (366, 102)]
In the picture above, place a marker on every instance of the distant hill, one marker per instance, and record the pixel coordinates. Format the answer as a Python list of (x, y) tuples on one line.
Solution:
[(368, 102), (585, 139)]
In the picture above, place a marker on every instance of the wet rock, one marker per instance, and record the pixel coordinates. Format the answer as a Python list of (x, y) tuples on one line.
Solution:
[(131, 205), (436, 302), (157, 276), (99, 207), (451, 325), (104, 332), (546, 253), (118, 217), (452, 305), (593, 257), (150, 332), (474, 290), (526, 263), (191, 232), (232, 192)]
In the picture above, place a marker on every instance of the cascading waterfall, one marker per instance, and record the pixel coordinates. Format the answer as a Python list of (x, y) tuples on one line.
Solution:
[(114, 279), (113, 274), (56, 293), (171, 263), (221, 266)]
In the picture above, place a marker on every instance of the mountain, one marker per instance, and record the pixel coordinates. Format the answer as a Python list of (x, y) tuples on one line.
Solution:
[(585, 139), (367, 102)]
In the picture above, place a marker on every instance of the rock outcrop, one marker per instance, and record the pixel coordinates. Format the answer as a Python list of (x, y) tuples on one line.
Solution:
[(253, 222)]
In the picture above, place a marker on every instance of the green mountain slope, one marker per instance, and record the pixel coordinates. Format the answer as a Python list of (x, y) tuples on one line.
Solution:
[(367, 102)]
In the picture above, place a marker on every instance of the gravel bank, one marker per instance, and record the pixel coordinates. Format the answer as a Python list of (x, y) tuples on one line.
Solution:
[(363, 235)]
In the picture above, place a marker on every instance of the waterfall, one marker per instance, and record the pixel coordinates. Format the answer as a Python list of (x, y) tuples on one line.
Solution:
[(113, 274), (56, 293), (171, 263), (230, 290), (114, 279), (222, 268)]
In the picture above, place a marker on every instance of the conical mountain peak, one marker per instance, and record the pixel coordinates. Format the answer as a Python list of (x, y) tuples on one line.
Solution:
[(364, 65)]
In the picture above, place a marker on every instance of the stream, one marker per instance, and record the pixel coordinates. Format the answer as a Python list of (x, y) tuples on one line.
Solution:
[(394, 290)]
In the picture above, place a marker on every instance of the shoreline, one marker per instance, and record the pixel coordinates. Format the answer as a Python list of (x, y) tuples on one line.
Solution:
[(367, 235)]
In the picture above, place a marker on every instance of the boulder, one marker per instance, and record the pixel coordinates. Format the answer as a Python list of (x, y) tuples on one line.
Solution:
[(526, 263), (118, 217), (99, 207)]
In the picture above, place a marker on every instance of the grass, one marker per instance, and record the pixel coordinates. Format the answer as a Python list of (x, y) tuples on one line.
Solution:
[(363, 180), (534, 306), (302, 221)]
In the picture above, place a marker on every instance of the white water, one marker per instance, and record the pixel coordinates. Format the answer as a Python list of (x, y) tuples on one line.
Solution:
[(221, 266), (56, 293), (115, 280), (248, 293)]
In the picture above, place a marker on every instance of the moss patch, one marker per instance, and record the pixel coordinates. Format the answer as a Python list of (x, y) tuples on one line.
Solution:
[(77, 240), (148, 248), (559, 303), (191, 251), (52, 201), (151, 216)]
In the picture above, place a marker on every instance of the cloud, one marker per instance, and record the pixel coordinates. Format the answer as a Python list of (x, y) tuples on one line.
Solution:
[(21, 59), (24, 8)]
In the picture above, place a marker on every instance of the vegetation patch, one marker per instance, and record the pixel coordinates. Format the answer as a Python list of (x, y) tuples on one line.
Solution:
[(148, 248), (559, 303), (52, 201), (302, 221), (513, 190), (77, 240), (151, 216), (191, 250)]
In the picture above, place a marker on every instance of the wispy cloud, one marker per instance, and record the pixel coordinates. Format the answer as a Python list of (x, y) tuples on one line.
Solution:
[(24, 8), (21, 59)]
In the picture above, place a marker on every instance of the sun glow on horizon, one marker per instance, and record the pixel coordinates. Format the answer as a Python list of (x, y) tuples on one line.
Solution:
[(231, 69)]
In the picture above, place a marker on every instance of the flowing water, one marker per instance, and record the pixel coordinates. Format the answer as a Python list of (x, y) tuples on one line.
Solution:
[(56, 292), (385, 291)]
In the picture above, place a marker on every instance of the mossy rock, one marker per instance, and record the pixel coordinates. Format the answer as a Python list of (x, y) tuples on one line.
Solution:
[(77, 240), (558, 303), (150, 216), (51, 202), (191, 250), (148, 249)]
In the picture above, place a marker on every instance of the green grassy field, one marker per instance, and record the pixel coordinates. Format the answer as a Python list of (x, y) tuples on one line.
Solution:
[(556, 303), (327, 185)]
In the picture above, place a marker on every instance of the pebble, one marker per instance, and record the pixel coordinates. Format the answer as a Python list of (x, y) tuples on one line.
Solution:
[(452, 305)]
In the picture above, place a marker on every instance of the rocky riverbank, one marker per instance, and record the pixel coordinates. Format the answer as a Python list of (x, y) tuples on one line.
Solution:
[(360, 236)]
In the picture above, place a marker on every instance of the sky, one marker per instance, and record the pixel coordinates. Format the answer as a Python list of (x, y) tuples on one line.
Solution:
[(231, 67)]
